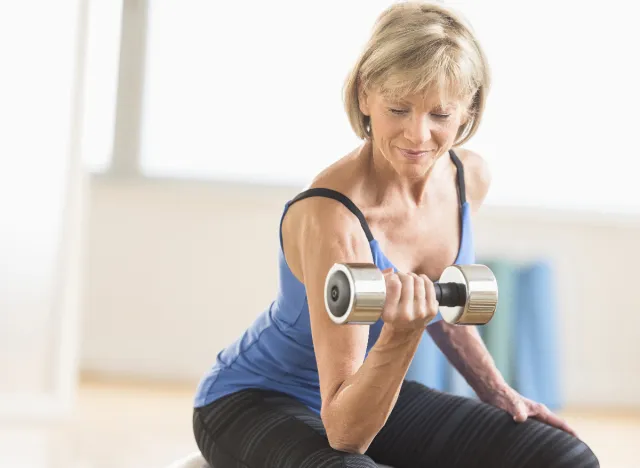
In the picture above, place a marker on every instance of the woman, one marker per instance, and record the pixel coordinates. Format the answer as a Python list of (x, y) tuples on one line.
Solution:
[(296, 390)]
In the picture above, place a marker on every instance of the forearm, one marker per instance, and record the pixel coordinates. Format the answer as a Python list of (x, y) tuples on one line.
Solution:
[(464, 348), (363, 403)]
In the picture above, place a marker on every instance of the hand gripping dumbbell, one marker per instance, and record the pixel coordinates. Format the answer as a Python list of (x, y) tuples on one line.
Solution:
[(356, 292)]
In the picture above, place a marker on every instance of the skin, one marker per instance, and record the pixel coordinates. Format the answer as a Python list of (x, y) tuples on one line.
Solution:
[(411, 206)]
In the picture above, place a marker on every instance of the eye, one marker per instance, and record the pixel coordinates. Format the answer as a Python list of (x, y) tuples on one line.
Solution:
[(398, 111), (442, 116)]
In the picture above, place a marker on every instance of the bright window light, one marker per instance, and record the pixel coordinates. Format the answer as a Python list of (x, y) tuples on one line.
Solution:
[(251, 91)]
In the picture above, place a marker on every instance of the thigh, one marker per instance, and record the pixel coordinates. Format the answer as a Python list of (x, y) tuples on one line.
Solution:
[(428, 428), (257, 428)]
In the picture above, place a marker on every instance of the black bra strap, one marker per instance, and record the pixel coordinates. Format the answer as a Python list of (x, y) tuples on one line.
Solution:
[(329, 193), (460, 168)]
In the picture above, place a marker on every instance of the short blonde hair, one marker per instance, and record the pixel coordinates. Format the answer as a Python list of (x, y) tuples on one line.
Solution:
[(416, 47)]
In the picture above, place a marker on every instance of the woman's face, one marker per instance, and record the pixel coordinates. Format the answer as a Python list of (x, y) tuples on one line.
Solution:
[(411, 133)]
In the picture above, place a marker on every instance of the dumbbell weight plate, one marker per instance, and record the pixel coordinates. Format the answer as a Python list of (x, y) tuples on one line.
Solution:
[(354, 292), (481, 290)]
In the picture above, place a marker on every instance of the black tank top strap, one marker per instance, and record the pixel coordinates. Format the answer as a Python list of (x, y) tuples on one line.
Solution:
[(460, 168), (346, 201), (340, 197)]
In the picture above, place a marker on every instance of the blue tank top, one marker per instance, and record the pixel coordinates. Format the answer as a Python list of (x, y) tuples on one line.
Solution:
[(276, 351)]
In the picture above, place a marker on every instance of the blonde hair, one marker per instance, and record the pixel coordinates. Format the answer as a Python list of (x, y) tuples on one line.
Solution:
[(416, 47)]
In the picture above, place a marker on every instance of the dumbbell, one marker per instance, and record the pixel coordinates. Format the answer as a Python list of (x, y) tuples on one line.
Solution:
[(355, 293)]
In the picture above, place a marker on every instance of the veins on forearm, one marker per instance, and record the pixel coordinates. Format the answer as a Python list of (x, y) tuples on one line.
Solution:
[(464, 348)]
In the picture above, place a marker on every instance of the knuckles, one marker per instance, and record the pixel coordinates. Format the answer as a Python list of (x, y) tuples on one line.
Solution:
[(413, 311)]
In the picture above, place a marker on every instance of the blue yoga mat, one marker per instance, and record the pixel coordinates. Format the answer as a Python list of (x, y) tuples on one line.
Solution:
[(499, 334), (537, 367)]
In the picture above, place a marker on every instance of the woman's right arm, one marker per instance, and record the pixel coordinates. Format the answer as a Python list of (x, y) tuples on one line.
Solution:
[(357, 393)]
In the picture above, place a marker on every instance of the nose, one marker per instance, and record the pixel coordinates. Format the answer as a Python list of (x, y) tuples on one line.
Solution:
[(418, 130)]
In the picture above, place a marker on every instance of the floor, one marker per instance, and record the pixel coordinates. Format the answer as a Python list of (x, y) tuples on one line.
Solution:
[(128, 425)]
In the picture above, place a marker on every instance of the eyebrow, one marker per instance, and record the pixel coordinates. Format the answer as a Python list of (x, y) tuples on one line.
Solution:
[(403, 102)]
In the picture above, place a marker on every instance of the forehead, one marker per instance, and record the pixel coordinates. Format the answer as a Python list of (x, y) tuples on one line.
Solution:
[(429, 99), (420, 91)]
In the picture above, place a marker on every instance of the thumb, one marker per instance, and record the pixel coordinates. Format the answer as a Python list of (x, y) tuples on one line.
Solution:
[(519, 410)]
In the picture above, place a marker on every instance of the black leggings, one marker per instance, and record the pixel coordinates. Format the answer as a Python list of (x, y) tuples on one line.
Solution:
[(427, 428)]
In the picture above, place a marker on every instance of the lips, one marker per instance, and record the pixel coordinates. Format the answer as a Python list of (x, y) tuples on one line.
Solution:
[(413, 154)]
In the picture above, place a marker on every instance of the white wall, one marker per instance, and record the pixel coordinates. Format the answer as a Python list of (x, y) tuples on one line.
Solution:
[(176, 270)]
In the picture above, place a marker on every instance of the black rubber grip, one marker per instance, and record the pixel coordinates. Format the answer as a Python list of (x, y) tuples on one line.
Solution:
[(451, 294)]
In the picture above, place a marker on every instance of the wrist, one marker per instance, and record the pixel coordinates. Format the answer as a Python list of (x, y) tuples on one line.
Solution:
[(489, 385), (391, 334)]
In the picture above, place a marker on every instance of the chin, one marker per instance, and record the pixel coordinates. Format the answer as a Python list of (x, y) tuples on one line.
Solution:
[(412, 170)]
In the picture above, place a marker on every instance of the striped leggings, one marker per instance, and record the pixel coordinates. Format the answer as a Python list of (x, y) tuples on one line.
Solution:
[(427, 428)]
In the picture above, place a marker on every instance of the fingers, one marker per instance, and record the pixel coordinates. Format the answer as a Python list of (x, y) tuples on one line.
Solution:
[(419, 298), (406, 297), (410, 299), (520, 412), (394, 290), (430, 297), (542, 413)]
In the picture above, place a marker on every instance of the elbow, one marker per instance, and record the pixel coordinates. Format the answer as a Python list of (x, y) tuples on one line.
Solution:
[(346, 437), (348, 444)]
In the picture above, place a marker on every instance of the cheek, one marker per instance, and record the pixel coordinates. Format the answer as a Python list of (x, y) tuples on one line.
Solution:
[(389, 124), (443, 134), (388, 129), (449, 131)]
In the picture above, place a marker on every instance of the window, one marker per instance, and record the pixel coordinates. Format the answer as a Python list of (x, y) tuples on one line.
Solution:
[(238, 90), (251, 91), (102, 56)]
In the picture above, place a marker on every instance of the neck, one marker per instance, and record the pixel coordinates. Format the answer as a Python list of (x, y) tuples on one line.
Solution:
[(389, 184)]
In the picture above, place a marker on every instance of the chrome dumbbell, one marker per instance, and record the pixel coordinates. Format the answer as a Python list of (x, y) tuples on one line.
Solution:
[(356, 293)]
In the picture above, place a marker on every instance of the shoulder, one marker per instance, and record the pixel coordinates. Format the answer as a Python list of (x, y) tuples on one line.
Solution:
[(320, 223), (344, 176), (477, 176), (319, 227), (341, 177), (317, 215)]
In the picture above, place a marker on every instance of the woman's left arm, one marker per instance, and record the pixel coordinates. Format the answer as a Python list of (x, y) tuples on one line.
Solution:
[(463, 346)]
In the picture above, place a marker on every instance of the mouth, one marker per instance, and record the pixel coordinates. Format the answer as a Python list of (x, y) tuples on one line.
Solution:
[(412, 154)]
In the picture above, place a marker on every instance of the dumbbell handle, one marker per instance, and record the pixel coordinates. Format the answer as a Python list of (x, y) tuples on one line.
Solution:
[(450, 294)]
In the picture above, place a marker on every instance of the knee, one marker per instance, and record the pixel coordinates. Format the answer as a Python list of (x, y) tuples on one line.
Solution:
[(330, 458), (574, 454), (354, 460), (588, 458)]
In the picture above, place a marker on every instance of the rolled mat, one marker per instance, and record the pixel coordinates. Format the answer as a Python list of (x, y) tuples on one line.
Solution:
[(537, 368), (430, 367), (499, 333), (457, 384)]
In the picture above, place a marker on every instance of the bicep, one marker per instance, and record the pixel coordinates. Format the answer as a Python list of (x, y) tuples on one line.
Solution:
[(325, 234)]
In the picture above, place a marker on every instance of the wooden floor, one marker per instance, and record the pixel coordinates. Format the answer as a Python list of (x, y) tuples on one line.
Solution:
[(141, 426)]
